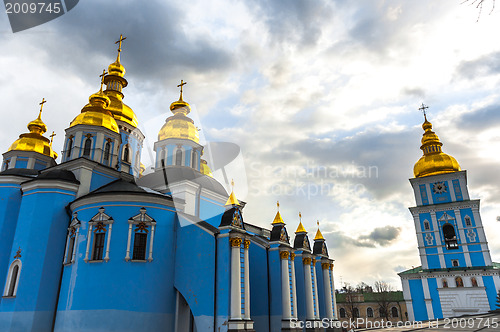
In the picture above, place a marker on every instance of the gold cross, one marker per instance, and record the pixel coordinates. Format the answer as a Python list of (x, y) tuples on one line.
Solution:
[(52, 137), (18, 253), (41, 104), (423, 108), (278, 205), (119, 42), (181, 85), (300, 216), (317, 222), (232, 183), (104, 73)]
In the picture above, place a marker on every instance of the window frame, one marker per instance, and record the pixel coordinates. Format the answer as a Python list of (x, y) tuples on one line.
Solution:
[(143, 224), (103, 223), (8, 283), (87, 139), (73, 233), (369, 312)]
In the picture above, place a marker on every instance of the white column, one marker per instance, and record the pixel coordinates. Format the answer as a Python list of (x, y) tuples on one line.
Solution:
[(235, 278), (316, 302), (89, 237), (308, 288), (246, 245), (127, 255), (294, 289), (285, 286), (328, 289), (106, 258), (334, 300), (150, 258)]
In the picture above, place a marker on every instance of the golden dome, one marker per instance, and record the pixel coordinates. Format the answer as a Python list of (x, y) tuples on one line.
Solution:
[(34, 141), (204, 169), (179, 125), (120, 110), (116, 68), (434, 161), (96, 113), (142, 169)]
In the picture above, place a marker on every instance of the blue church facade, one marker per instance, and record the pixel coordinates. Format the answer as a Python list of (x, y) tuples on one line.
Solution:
[(457, 275), (92, 244)]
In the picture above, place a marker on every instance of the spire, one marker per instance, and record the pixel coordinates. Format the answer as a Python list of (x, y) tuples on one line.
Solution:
[(232, 200), (300, 228), (116, 67), (277, 218), (318, 236), (433, 161)]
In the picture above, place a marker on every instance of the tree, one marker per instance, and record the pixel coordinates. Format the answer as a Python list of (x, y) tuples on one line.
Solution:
[(382, 296), (479, 5), (351, 300)]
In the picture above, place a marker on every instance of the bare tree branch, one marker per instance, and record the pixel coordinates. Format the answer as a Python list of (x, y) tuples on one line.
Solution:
[(479, 5)]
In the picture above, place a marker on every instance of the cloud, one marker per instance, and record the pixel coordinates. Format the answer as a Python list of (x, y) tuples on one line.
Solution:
[(480, 119), (485, 65), (382, 236)]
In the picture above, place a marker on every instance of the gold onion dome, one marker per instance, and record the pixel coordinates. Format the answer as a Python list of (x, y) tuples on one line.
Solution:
[(434, 161), (34, 141), (179, 125), (204, 169), (96, 112), (115, 82)]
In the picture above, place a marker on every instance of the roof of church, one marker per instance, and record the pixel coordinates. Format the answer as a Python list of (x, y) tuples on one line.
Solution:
[(58, 174), (394, 296), (176, 174), (21, 172), (493, 266)]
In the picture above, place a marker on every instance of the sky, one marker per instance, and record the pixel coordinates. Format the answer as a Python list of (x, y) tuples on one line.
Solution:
[(321, 96)]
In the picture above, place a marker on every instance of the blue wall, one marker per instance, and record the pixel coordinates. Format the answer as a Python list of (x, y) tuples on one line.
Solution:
[(417, 295)]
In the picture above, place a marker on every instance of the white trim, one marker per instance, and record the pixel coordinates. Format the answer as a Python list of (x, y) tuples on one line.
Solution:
[(150, 222), (106, 258), (127, 254), (89, 239), (15, 263)]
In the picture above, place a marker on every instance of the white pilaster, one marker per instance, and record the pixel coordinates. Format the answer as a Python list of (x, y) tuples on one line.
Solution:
[(325, 266), (235, 278), (246, 245), (308, 288), (294, 289), (285, 286), (127, 255), (89, 236), (315, 280)]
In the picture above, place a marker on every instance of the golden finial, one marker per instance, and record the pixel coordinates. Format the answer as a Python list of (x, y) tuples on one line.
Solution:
[(119, 42), (277, 218), (318, 236), (232, 198), (18, 253), (104, 73), (423, 108), (41, 108), (52, 137), (180, 86), (300, 217)]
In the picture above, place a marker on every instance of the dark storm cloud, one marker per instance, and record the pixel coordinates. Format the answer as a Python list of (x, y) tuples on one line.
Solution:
[(294, 21), (481, 119), (382, 236), (159, 43), (488, 64)]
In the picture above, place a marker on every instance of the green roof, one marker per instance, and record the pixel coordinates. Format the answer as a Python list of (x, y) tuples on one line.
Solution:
[(418, 269), (396, 296), (414, 270)]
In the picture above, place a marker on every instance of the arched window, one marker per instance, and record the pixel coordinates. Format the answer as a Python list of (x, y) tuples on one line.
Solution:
[(143, 227), (454, 262), (459, 282), (126, 154), (86, 147), (473, 282), (107, 150), (13, 279), (342, 312), (467, 221), (426, 225), (450, 238), (445, 283), (178, 157), (394, 312), (355, 313), (194, 159), (99, 235), (69, 148), (381, 312), (369, 312)]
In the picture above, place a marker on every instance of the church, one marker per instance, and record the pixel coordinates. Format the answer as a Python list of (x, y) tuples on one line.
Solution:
[(91, 243), (457, 276)]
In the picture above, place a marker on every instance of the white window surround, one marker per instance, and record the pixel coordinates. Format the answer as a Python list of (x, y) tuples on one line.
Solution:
[(73, 232), (147, 221), (15, 263), (106, 221)]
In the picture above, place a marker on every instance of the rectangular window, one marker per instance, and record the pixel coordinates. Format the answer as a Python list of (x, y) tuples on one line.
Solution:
[(140, 242), (98, 246), (71, 246)]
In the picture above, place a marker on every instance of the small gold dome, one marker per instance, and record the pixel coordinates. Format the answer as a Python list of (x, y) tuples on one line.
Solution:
[(204, 169), (95, 113), (434, 161), (116, 68), (34, 141), (120, 110), (179, 125)]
